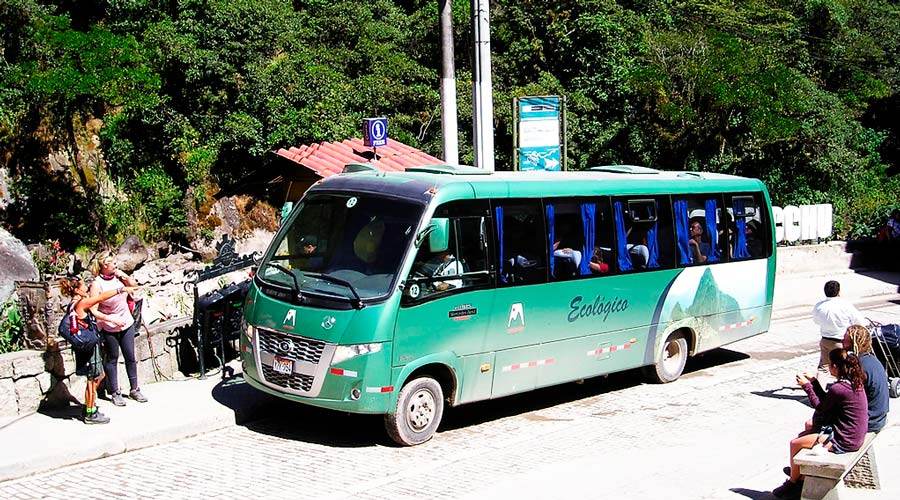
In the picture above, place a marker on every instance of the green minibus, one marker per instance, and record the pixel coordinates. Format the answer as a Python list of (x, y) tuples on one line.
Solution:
[(401, 293)]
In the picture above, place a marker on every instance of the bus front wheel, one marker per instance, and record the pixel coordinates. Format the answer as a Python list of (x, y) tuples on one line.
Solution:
[(420, 406), (670, 362)]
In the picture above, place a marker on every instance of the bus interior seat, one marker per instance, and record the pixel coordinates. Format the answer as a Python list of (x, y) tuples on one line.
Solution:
[(564, 267)]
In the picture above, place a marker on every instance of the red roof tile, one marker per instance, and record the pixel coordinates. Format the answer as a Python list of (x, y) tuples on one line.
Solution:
[(328, 158)]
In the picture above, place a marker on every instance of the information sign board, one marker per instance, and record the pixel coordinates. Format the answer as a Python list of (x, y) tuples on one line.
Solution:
[(375, 132), (538, 123)]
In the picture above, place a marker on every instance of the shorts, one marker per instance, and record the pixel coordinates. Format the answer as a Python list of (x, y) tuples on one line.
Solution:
[(89, 364)]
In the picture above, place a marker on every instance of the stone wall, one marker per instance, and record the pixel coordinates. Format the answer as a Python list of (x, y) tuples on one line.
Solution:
[(33, 379), (824, 257)]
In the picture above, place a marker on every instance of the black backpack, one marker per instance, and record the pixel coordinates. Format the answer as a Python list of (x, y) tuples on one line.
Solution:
[(81, 339)]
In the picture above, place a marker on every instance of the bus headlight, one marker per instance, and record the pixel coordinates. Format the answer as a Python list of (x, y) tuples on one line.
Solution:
[(345, 352), (248, 330)]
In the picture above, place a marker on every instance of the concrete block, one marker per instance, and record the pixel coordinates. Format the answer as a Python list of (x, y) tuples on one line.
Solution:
[(808, 258), (45, 380), (6, 368), (818, 488), (142, 348), (166, 363), (27, 364), (68, 362), (28, 392), (146, 372), (76, 387), (9, 403)]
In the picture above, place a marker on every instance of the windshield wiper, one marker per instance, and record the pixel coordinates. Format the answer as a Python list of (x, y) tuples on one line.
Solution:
[(358, 303), (293, 276)]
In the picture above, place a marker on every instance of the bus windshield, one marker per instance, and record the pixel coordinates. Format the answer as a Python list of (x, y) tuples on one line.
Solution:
[(345, 246)]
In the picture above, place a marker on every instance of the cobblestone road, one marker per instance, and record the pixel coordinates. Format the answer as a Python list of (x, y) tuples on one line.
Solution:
[(721, 431)]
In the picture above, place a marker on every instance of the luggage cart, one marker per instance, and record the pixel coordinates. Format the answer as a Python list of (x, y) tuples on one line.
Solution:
[(886, 344)]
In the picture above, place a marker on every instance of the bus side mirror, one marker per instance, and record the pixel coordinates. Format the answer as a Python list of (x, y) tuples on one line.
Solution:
[(439, 239), (438, 233)]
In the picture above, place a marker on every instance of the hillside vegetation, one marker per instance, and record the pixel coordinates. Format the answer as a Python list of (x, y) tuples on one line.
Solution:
[(128, 114)]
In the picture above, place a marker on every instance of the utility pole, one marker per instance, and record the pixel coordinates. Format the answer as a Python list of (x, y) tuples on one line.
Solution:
[(482, 96), (449, 127)]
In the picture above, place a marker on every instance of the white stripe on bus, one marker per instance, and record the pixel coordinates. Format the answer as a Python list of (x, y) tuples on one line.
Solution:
[(614, 348), (736, 325), (528, 364)]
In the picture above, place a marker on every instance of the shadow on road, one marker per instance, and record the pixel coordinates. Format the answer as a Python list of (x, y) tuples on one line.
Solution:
[(755, 495), (477, 413), (891, 277), (67, 412), (270, 415), (294, 421), (796, 394), (716, 357)]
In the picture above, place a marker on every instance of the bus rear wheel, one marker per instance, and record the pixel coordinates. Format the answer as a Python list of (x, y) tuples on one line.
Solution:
[(670, 363), (420, 406)]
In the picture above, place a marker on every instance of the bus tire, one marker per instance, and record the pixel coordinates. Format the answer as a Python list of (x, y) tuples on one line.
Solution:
[(420, 406), (670, 362)]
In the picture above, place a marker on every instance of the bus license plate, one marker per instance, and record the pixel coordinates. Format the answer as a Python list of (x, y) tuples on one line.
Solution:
[(283, 365)]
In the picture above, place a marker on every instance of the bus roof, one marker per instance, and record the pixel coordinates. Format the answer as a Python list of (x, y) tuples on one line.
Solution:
[(470, 182)]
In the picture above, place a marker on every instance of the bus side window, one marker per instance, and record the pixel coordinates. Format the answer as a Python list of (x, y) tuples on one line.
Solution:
[(751, 228), (698, 237), (521, 250), (566, 239), (602, 257), (644, 234), (453, 257)]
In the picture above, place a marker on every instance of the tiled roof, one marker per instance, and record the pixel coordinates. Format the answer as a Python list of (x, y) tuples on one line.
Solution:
[(328, 158)]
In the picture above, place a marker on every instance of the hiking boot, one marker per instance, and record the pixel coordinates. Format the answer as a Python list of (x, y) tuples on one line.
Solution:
[(96, 418), (117, 399), (137, 396), (789, 490)]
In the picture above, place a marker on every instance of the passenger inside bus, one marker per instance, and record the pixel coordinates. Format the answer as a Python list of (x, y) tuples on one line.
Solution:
[(754, 242), (698, 243), (637, 247), (597, 265), (524, 265)]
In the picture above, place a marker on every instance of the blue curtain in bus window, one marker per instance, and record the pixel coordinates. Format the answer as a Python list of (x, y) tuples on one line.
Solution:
[(681, 231), (621, 244), (588, 215), (498, 213), (713, 232), (652, 243), (740, 240), (551, 219)]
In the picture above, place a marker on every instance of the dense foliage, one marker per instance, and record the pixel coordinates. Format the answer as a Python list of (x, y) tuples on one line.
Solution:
[(174, 97)]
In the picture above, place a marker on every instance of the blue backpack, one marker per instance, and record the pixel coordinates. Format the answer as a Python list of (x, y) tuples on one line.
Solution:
[(80, 338)]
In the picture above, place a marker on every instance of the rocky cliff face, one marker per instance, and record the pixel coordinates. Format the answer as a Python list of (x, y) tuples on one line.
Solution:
[(17, 264)]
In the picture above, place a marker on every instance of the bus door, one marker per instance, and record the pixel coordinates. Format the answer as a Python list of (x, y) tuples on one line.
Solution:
[(448, 298), (521, 319)]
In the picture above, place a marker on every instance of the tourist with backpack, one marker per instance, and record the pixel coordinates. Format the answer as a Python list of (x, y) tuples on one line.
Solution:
[(79, 328)]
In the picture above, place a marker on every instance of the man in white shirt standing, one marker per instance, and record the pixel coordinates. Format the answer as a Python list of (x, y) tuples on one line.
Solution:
[(833, 315)]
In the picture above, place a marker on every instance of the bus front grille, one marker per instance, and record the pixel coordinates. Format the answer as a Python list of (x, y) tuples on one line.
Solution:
[(290, 346), (295, 381)]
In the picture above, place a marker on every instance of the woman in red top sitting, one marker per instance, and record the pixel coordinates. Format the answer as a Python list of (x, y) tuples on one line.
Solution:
[(843, 407)]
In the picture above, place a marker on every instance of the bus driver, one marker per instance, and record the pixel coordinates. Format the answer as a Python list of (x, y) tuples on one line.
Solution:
[(443, 264)]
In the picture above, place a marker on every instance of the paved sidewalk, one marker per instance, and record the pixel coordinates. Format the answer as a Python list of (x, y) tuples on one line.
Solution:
[(179, 409), (44, 441)]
